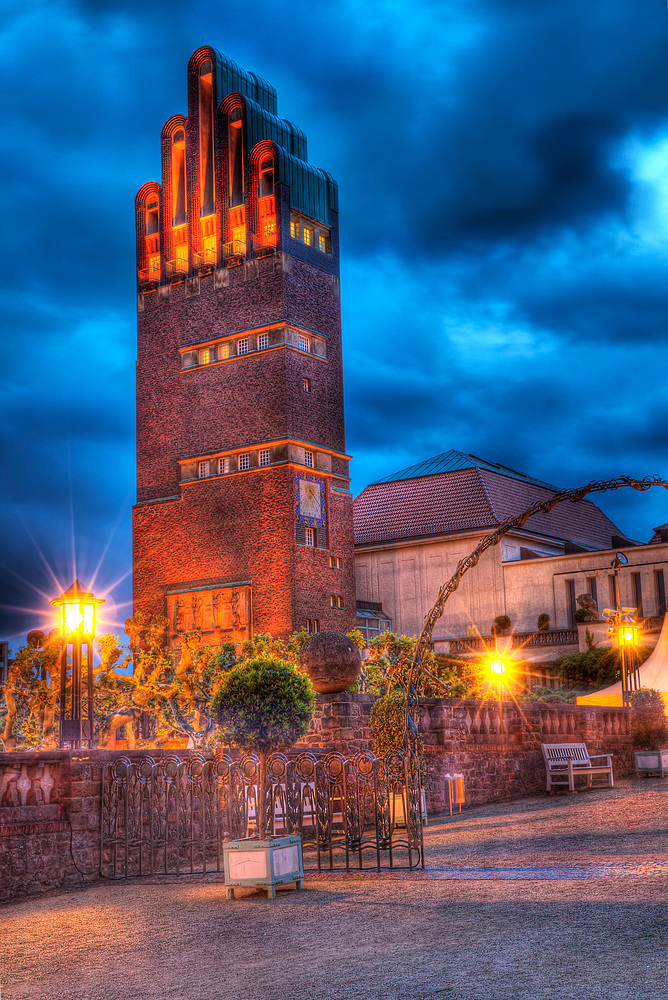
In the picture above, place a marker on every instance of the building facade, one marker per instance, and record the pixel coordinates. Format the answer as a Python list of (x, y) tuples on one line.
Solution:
[(413, 528), (243, 520)]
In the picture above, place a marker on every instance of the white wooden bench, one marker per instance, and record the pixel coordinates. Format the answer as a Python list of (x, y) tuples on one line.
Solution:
[(566, 761)]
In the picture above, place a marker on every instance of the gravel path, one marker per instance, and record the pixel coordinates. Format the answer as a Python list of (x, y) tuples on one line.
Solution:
[(543, 898)]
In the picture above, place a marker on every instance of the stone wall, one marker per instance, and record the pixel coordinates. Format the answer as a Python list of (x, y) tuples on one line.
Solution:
[(50, 801), (466, 737), (49, 822)]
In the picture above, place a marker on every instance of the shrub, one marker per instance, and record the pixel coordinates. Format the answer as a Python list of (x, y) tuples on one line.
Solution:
[(502, 623), (597, 667), (581, 615), (543, 622), (263, 704), (648, 723), (388, 722)]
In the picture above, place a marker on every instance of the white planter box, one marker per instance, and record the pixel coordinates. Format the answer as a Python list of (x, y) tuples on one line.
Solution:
[(652, 762), (264, 863)]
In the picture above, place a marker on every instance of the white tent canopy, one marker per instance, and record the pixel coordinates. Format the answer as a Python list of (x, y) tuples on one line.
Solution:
[(653, 674)]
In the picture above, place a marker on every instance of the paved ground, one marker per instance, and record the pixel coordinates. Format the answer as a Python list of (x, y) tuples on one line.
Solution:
[(543, 898)]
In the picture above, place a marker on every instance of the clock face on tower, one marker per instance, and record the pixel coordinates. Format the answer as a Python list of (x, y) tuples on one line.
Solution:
[(310, 501)]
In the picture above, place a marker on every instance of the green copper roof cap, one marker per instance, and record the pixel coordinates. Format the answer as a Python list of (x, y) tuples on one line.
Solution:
[(453, 461)]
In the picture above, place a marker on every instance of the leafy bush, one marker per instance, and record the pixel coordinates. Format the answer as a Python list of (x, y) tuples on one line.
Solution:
[(581, 615), (263, 704), (553, 696), (597, 667), (648, 723), (388, 721), (502, 623), (543, 622)]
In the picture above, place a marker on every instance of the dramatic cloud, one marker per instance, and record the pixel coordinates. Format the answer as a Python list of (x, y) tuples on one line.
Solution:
[(503, 169)]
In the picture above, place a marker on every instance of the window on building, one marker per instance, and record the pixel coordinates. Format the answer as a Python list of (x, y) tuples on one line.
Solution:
[(264, 457), (312, 626), (304, 344), (308, 459), (242, 346), (269, 229), (223, 352), (571, 605), (294, 228), (612, 591), (636, 583), (335, 562), (660, 592), (204, 469), (205, 356), (593, 589), (332, 601), (263, 342), (223, 465), (372, 623), (307, 236), (339, 562), (306, 384), (322, 243), (309, 537), (244, 462)]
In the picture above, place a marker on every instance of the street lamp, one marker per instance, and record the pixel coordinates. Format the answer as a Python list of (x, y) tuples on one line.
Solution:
[(77, 628), (625, 633)]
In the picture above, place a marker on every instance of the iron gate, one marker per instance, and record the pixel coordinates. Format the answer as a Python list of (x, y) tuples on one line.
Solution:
[(170, 814)]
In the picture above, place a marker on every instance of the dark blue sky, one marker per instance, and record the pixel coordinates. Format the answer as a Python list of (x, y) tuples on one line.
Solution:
[(503, 171)]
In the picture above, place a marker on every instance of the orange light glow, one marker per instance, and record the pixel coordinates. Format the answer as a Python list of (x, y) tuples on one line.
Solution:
[(77, 611)]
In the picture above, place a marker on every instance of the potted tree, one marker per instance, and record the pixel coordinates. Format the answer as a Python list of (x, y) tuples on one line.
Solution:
[(262, 705), (649, 732)]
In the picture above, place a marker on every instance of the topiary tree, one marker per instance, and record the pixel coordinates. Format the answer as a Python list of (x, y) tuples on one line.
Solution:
[(262, 705), (543, 622), (648, 723), (502, 623)]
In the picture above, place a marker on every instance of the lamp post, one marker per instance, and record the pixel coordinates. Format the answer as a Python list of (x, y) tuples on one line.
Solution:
[(624, 631), (77, 628)]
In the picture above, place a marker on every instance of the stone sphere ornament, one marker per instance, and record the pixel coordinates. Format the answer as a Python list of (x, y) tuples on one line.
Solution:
[(331, 660)]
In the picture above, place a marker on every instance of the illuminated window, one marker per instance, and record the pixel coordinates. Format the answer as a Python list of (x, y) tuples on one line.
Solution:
[(242, 346), (223, 352), (322, 243), (294, 228), (266, 182), (236, 166), (205, 356), (206, 113), (306, 384), (269, 228), (308, 237), (304, 344), (265, 457), (244, 462), (309, 537), (204, 469), (179, 214), (223, 465), (263, 342), (308, 459), (152, 217)]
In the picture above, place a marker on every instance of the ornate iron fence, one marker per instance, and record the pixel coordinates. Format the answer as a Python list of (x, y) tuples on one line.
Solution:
[(170, 815)]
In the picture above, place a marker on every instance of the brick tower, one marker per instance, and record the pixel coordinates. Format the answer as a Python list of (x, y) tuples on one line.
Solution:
[(243, 521)]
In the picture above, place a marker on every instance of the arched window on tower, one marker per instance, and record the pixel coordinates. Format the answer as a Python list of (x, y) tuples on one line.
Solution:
[(179, 202), (237, 218), (207, 247), (266, 204), (152, 230)]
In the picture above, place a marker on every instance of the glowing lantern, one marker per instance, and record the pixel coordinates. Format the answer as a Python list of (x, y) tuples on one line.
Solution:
[(76, 608)]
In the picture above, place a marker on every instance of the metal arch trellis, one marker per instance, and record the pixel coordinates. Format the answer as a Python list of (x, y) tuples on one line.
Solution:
[(516, 521)]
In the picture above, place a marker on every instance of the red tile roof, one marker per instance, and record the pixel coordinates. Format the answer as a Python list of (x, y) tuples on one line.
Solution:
[(467, 499)]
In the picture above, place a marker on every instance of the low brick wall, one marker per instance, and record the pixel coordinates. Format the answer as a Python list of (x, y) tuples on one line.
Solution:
[(50, 801), (466, 737)]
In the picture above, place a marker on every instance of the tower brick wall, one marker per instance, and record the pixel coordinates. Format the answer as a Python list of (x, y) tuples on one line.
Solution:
[(243, 520)]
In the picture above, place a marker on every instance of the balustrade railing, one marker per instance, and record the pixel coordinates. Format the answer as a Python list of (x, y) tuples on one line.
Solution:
[(553, 637)]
